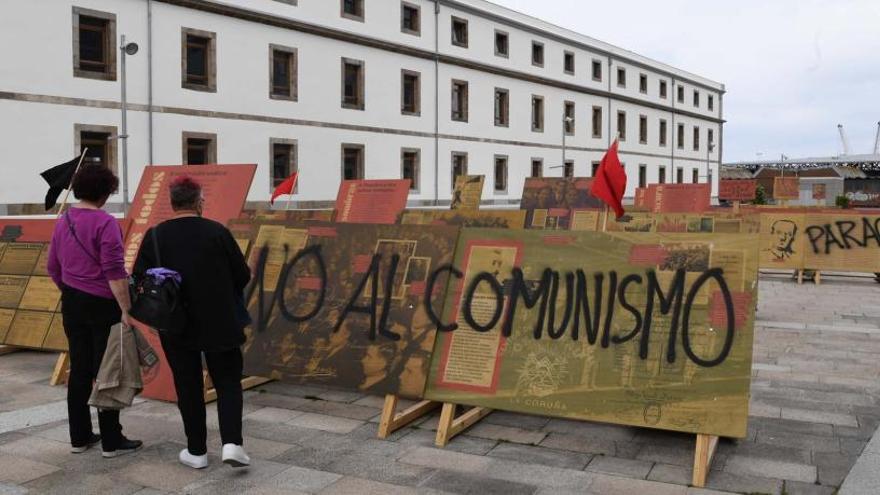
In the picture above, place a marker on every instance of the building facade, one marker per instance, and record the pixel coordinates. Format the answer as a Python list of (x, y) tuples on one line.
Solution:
[(375, 89)]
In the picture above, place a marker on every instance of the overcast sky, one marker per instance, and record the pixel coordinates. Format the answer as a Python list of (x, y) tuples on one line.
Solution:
[(793, 69)]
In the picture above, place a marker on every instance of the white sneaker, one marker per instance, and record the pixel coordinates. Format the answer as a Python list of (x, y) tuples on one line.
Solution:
[(193, 461), (235, 456)]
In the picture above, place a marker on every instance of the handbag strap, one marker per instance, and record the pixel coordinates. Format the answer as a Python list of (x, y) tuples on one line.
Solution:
[(76, 237), (156, 246)]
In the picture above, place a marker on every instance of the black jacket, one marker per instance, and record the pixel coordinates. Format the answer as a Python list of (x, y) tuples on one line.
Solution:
[(214, 275)]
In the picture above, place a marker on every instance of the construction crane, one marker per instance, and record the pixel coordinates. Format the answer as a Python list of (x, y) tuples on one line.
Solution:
[(877, 141), (843, 139)]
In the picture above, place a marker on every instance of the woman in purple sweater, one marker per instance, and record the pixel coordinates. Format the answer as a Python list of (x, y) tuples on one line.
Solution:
[(86, 263)]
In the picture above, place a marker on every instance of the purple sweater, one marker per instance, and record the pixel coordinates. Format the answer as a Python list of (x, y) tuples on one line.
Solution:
[(69, 264)]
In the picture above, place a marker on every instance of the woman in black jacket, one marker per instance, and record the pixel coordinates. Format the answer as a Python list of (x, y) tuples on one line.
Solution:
[(214, 275)]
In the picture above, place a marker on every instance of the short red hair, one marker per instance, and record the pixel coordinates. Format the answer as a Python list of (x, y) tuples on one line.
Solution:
[(185, 193)]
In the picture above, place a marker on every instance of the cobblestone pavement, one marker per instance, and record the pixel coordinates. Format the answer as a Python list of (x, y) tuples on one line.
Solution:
[(814, 407)]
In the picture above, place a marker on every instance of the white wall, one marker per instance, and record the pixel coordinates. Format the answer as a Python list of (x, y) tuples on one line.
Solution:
[(40, 132)]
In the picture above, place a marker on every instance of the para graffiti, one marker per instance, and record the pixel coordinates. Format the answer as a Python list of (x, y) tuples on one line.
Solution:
[(584, 312), (844, 234)]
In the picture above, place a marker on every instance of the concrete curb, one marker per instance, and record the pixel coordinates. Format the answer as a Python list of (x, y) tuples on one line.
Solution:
[(864, 477)]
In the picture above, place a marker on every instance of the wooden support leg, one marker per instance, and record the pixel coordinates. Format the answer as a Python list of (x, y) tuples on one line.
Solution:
[(7, 349), (817, 278), (246, 383), (392, 421), (706, 445), (451, 426), (800, 277), (62, 370)]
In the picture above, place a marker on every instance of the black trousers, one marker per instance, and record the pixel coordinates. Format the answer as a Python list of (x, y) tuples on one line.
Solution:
[(225, 368), (87, 323)]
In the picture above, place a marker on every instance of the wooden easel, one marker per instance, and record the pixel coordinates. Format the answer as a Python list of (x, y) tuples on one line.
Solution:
[(704, 452), (62, 370), (391, 420), (450, 426)]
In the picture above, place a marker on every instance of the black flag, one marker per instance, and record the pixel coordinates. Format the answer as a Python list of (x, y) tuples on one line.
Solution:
[(59, 178)]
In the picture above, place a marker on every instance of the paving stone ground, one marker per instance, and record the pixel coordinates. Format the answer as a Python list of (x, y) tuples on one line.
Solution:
[(815, 405)]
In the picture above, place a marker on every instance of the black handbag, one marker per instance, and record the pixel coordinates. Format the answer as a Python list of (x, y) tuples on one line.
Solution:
[(158, 298)]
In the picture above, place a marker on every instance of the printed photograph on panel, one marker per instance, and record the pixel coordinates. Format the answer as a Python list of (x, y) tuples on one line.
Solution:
[(782, 240), (550, 203), (350, 312), (650, 330)]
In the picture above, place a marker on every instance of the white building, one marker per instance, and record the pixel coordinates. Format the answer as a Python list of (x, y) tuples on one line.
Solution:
[(333, 88)]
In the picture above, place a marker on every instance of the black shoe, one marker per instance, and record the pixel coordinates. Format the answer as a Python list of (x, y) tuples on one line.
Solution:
[(79, 449), (126, 446)]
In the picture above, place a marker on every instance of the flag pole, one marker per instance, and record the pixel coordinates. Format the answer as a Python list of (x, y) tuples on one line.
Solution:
[(289, 197), (605, 221), (67, 191)]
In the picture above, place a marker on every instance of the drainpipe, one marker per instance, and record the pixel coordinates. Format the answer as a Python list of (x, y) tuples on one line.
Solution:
[(150, 81), (720, 147), (673, 143), (436, 102), (609, 101)]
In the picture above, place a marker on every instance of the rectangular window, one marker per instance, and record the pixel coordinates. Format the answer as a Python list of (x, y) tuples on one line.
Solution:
[(410, 19), (679, 175), (410, 93), (643, 83), (502, 44), (663, 89), (643, 175), (538, 54), (283, 76), (696, 98), (597, 70), (199, 60), (459, 32), (680, 143), (681, 94), (537, 113), (502, 107), (568, 62), (409, 167), (621, 124), (594, 168), (711, 139), (597, 122), (696, 138), (283, 152), (537, 167), (101, 143), (352, 84), (199, 148), (500, 174), (459, 165), (352, 161), (695, 176), (662, 132), (621, 77), (568, 169), (353, 9), (459, 100), (710, 102), (569, 117), (643, 129), (661, 178), (94, 44)]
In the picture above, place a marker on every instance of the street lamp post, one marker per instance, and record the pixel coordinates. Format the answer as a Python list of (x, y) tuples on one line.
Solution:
[(124, 49)]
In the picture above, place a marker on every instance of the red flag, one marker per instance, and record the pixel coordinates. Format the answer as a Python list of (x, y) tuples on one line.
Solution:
[(285, 187), (609, 184)]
